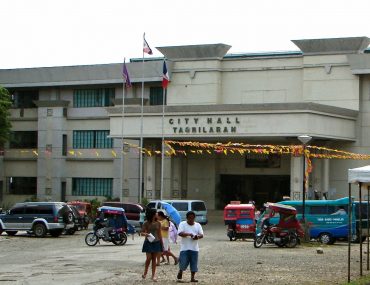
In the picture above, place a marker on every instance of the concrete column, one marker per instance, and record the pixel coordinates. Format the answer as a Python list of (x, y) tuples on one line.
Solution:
[(176, 177), (316, 179), (184, 178), (296, 175), (50, 162), (325, 176), (167, 181), (149, 176)]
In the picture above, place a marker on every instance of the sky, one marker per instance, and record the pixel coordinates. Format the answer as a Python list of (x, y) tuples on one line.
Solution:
[(40, 33)]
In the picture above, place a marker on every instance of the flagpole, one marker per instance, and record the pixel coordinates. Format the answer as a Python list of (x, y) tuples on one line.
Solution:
[(162, 152), (165, 81), (122, 128), (141, 130)]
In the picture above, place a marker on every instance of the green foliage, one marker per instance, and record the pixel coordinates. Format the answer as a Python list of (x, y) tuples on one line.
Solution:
[(144, 201), (5, 126), (110, 199), (95, 204), (364, 280), (32, 199)]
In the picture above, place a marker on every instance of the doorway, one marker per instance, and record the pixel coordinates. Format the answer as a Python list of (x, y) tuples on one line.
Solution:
[(258, 188)]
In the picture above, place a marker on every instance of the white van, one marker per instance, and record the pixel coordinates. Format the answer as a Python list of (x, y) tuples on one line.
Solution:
[(184, 206)]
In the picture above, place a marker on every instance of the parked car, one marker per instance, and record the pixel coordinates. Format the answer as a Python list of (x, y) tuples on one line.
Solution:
[(135, 213), (183, 206), (84, 208), (38, 218)]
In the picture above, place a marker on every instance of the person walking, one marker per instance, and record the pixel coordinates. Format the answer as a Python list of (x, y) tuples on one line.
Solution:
[(190, 232), (152, 245), (165, 225)]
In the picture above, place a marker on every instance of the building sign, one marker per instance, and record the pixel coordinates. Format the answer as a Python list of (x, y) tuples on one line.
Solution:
[(204, 125)]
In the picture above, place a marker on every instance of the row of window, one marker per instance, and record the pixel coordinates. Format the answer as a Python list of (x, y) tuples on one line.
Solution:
[(81, 139), (80, 186), (82, 98)]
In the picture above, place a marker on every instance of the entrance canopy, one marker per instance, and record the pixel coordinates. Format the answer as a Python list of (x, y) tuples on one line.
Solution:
[(361, 174)]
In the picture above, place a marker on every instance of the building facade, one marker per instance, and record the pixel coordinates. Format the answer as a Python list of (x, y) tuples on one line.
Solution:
[(68, 124)]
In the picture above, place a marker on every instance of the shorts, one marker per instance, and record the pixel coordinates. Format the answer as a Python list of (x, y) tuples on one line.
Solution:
[(152, 247), (188, 257), (166, 244)]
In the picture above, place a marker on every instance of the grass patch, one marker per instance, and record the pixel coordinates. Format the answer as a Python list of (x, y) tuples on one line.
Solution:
[(364, 280)]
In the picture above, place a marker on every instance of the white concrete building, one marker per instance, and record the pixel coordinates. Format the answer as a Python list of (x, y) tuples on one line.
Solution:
[(63, 115)]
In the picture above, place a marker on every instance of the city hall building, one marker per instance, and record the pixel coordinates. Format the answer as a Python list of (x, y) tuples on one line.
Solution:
[(68, 123)]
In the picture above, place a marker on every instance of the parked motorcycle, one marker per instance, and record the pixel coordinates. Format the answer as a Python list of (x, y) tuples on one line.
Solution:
[(284, 230), (277, 236), (103, 231)]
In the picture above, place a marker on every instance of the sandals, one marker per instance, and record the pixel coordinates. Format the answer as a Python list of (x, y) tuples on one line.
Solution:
[(143, 276), (154, 279), (176, 261)]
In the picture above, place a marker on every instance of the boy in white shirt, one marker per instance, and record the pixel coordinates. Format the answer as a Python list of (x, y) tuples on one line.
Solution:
[(191, 232)]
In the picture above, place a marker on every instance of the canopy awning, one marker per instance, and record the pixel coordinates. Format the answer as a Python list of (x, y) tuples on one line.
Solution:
[(360, 174)]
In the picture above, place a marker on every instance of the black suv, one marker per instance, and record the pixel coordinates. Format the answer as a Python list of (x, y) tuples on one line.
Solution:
[(38, 218)]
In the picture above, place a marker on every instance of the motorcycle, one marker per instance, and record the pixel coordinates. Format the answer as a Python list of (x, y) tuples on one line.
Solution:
[(286, 233), (101, 231), (277, 236)]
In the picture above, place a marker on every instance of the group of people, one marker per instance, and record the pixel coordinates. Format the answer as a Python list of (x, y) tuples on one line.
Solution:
[(157, 230)]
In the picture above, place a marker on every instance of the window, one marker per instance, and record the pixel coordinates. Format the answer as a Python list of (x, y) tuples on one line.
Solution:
[(93, 97), (22, 185), (25, 98), (64, 145), (156, 96), (179, 206), (17, 211), (92, 187), (318, 210), (198, 206), (23, 139), (261, 160), (40, 210), (92, 139), (244, 213), (363, 210)]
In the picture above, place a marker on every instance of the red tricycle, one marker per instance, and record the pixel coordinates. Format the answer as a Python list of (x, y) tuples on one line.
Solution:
[(240, 220), (278, 224)]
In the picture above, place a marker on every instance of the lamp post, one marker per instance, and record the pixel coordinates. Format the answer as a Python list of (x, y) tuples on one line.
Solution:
[(304, 139)]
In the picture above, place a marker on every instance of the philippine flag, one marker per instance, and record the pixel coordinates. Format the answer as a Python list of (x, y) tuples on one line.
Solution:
[(166, 77)]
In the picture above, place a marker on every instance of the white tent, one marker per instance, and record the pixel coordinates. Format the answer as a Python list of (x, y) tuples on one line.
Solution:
[(360, 174)]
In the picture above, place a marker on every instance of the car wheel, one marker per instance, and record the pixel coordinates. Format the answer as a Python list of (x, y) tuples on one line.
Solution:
[(68, 217), (56, 233), (91, 239), (1, 230), (39, 230), (11, 233), (325, 238)]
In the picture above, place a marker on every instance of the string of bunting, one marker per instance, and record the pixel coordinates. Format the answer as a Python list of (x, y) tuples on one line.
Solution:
[(203, 148)]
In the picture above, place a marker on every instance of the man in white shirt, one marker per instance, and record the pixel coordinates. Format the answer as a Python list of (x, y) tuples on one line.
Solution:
[(190, 232)]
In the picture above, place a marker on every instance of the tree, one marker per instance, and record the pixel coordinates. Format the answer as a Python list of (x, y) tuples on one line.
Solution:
[(5, 126)]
